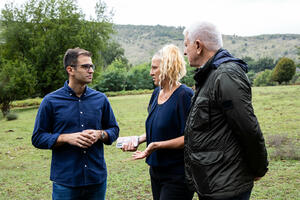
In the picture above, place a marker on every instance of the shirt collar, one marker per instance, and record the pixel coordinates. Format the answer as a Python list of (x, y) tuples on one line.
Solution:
[(71, 92)]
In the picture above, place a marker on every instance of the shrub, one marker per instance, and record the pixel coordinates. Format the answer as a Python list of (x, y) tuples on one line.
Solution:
[(263, 78), (138, 78), (11, 116), (284, 70)]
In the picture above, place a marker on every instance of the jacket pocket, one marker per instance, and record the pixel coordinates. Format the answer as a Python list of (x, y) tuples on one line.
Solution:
[(200, 114), (203, 167)]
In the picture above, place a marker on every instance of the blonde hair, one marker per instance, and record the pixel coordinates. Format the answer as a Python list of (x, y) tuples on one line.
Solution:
[(172, 65)]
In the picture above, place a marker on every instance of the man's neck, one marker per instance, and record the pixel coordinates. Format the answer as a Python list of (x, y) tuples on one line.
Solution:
[(207, 55), (77, 87)]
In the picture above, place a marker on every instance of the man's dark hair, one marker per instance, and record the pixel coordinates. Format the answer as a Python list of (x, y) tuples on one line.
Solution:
[(71, 56)]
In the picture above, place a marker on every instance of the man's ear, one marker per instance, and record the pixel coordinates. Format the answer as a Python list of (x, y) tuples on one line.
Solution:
[(198, 44), (69, 70)]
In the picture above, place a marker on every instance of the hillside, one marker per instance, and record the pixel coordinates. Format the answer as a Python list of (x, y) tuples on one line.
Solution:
[(141, 42)]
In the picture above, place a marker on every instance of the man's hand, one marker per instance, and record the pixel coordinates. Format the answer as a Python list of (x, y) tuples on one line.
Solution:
[(129, 147), (81, 139), (257, 178), (130, 144)]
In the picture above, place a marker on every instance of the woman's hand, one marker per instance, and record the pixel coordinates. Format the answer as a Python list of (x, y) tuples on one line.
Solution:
[(143, 154)]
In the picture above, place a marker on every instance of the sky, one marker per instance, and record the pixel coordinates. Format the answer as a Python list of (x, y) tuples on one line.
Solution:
[(239, 17)]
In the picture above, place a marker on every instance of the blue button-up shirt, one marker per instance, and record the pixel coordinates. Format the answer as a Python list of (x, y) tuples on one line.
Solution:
[(63, 112)]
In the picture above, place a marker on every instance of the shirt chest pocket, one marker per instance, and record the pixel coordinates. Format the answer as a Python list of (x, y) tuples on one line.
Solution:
[(200, 114)]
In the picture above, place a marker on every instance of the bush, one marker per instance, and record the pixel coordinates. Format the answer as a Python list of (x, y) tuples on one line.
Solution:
[(263, 78), (17, 80), (113, 78), (138, 78), (296, 79), (11, 116), (284, 70)]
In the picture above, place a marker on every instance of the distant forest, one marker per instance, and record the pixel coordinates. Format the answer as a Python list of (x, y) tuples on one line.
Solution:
[(141, 42)]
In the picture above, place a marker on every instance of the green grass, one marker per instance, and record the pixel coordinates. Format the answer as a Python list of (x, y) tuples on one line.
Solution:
[(24, 170)]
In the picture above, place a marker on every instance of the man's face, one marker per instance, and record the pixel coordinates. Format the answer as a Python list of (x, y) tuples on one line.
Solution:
[(82, 74), (155, 72), (190, 50)]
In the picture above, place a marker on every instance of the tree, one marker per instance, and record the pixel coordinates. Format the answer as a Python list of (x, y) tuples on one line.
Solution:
[(250, 62), (113, 52), (17, 80), (113, 78), (42, 30), (263, 64), (188, 79), (284, 70), (138, 77), (263, 78)]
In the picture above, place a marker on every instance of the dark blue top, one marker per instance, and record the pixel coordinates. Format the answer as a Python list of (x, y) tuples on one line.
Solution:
[(63, 112), (167, 121)]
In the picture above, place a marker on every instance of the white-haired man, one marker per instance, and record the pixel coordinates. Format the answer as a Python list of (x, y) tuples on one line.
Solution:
[(224, 146)]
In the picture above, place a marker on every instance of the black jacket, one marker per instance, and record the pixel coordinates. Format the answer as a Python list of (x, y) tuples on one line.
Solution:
[(224, 146)]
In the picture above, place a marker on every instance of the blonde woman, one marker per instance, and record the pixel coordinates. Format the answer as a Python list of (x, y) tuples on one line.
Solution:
[(167, 113)]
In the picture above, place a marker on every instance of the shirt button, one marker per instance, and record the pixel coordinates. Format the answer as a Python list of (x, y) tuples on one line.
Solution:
[(84, 152), (79, 100), (80, 112), (70, 94), (85, 166), (81, 125)]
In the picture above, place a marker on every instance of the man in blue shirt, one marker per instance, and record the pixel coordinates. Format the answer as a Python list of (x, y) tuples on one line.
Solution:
[(74, 122)]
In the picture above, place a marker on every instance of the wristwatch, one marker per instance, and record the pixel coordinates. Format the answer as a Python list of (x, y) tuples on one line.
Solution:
[(102, 135)]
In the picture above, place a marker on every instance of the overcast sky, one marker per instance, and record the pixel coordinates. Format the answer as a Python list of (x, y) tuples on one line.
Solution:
[(240, 17)]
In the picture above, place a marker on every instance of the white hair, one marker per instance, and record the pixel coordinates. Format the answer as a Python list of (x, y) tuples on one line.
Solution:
[(207, 33)]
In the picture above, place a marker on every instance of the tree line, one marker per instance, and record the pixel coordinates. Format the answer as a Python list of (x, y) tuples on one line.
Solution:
[(35, 36)]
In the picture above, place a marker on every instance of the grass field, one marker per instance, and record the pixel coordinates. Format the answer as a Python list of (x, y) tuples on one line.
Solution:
[(24, 170)]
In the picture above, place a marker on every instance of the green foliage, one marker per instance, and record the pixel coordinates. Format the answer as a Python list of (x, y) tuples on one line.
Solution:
[(251, 76), (188, 79), (18, 80), (264, 78), (114, 51), (296, 79), (263, 64), (130, 92), (284, 70), (113, 78), (42, 30), (138, 78)]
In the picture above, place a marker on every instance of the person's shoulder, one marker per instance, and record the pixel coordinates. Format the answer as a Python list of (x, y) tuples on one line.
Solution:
[(96, 94), (229, 67), (185, 90), (54, 94)]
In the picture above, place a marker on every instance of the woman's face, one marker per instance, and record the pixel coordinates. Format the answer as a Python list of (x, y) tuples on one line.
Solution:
[(154, 71)]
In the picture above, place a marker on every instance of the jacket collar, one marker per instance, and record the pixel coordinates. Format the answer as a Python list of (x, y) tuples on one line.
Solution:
[(220, 57)]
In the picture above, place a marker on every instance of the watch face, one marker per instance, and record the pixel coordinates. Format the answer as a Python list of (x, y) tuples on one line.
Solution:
[(102, 135)]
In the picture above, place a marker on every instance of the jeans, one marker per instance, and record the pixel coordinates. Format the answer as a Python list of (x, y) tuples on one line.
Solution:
[(90, 192)]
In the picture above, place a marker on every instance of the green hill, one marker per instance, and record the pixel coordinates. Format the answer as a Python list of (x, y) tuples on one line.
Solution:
[(141, 42)]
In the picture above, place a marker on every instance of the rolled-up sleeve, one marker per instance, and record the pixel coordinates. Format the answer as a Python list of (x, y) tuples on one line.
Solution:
[(109, 123)]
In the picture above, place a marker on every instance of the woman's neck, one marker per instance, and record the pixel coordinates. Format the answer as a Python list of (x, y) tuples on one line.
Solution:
[(166, 91)]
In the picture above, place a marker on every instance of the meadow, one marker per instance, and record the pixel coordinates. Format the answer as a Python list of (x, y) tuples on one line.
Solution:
[(24, 170)]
